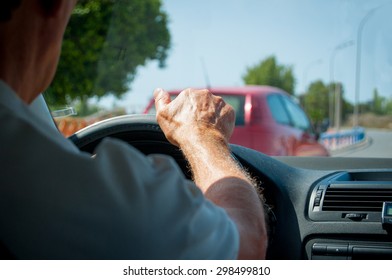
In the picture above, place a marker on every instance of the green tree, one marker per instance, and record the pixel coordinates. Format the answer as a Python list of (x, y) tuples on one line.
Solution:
[(269, 72), (104, 43), (388, 106), (316, 101), (378, 104)]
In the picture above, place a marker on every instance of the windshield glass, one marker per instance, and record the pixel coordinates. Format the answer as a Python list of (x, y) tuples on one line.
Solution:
[(330, 63)]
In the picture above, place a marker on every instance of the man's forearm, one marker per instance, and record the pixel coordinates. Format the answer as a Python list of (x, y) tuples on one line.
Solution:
[(201, 125), (228, 186)]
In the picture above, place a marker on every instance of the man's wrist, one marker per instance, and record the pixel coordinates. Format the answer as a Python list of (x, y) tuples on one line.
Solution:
[(205, 139)]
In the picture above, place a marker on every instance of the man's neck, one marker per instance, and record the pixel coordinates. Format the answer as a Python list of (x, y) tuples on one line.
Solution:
[(17, 66)]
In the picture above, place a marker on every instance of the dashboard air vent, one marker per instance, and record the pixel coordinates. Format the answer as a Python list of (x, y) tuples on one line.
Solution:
[(356, 198)]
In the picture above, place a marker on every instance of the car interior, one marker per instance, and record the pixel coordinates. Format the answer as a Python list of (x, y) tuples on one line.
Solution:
[(318, 208)]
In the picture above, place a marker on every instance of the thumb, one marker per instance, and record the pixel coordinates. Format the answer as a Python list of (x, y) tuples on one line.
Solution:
[(162, 98)]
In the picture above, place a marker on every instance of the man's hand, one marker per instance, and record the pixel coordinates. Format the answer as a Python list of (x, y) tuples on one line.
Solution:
[(201, 125), (194, 113)]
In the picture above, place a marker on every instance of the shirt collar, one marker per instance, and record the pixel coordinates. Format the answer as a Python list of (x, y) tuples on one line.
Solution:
[(9, 98), (11, 102)]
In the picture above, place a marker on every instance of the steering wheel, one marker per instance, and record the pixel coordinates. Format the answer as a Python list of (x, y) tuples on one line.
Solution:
[(140, 131)]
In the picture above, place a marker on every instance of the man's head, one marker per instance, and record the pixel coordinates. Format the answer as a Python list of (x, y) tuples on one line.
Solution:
[(31, 33)]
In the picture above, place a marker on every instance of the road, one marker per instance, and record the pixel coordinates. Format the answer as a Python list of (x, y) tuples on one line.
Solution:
[(378, 144)]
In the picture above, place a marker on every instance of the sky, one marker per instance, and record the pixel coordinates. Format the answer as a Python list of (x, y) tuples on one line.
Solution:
[(220, 39)]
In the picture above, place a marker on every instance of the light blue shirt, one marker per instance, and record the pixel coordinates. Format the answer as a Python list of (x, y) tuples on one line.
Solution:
[(59, 203)]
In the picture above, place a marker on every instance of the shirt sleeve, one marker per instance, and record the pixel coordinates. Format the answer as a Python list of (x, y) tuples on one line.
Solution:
[(177, 221), (118, 205)]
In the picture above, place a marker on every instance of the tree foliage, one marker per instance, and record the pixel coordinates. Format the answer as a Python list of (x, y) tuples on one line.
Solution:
[(316, 101), (104, 43), (269, 72), (379, 103)]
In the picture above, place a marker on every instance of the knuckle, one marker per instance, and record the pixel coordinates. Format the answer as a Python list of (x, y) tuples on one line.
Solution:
[(188, 91), (229, 112), (204, 93), (219, 99)]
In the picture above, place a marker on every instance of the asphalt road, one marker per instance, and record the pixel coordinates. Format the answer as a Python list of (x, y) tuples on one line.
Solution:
[(378, 144)]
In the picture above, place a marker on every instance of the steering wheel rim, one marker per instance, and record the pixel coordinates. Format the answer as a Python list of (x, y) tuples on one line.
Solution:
[(140, 131), (113, 126)]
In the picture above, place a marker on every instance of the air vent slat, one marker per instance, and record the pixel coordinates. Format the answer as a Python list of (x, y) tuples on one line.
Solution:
[(353, 202), (360, 198), (352, 207), (356, 199)]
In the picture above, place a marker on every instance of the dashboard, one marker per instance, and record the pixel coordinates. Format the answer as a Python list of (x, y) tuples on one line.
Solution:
[(318, 208), (324, 208)]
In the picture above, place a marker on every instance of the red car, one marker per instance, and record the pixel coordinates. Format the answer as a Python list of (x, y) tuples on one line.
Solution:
[(267, 120)]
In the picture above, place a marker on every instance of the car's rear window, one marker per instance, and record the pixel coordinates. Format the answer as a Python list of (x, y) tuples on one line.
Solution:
[(238, 104), (235, 101)]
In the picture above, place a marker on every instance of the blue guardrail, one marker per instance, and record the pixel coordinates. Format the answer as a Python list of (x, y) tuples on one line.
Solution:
[(342, 139)]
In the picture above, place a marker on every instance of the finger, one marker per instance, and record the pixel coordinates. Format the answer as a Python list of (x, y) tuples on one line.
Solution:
[(162, 98)]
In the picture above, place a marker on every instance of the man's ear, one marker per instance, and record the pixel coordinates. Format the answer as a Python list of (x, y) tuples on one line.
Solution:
[(50, 8)]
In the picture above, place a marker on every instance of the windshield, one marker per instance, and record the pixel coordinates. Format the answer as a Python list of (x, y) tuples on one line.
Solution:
[(329, 63)]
